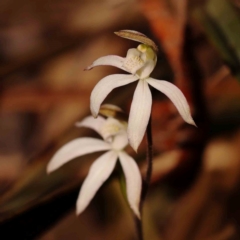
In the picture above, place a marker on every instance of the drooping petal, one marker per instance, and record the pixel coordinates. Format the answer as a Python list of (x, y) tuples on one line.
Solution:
[(110, 60), (139, 114), (98, 173), (133, 181), (105, 86), (76, 148), (176, 96), (94, 123), (120, 141)]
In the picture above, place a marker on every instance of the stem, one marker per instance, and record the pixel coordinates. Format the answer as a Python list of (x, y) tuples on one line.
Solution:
[(138, 225), (149, 157), (147, 178)]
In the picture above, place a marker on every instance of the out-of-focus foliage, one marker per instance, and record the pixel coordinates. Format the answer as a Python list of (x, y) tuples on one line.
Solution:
[(221, 21)]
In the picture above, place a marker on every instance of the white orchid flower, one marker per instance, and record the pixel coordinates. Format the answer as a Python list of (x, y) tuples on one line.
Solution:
[(115, 140), (139, 62)]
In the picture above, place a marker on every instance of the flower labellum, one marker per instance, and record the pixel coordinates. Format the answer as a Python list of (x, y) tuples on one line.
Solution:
[(114, 141), (139, 62)]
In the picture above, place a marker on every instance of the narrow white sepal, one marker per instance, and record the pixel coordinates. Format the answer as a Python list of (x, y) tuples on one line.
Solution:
[(105, 86), (139, 114), (176, 96), (110, 60), (94, 123), (98, 173), (133, 181), (76, 148)]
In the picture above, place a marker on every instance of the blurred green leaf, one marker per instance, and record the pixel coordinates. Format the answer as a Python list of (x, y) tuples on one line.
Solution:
[(221, 24), (35, 186)]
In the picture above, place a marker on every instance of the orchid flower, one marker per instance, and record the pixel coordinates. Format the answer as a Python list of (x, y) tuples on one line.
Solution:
[(114, 141), (139, 62)]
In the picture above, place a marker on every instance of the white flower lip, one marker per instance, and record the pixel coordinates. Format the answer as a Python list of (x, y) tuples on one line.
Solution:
[(133, 61), (139, 63), (104, 165)]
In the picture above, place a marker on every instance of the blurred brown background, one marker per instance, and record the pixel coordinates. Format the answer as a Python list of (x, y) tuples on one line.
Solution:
[(44, 47)]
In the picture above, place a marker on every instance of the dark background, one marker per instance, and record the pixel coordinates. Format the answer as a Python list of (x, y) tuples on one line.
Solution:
[(44, 47)]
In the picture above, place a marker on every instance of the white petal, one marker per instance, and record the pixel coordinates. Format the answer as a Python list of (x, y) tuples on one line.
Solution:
[(176, 96), (133, 181), (105, 86), (139, 114), (76, 148), (98, 173), (110, 60), (120, 141), (93, 123)]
